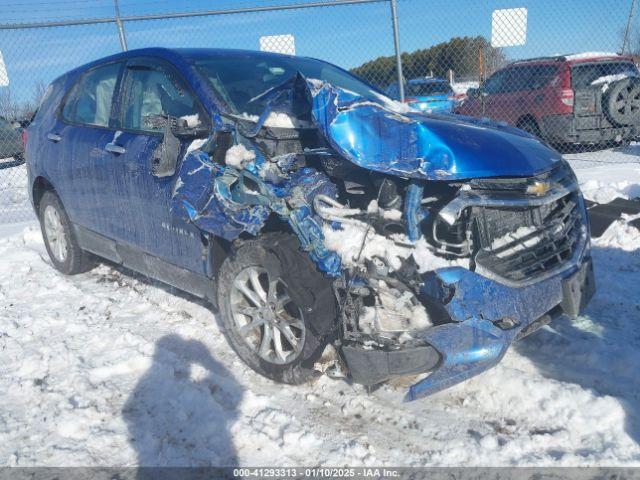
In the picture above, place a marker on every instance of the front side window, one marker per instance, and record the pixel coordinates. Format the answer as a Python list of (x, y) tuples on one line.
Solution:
[(91, 99), (495, 83), (516, 79), (154, 93)]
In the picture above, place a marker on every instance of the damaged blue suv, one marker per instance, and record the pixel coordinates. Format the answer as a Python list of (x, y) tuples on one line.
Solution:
[(327, 223)]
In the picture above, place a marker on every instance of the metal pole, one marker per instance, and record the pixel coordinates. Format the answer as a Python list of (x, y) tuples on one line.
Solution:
[(628, 28), (203, 13), (396, 44), (123, 38)]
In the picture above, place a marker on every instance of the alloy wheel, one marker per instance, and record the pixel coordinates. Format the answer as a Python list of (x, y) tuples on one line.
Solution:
[(265, 317)]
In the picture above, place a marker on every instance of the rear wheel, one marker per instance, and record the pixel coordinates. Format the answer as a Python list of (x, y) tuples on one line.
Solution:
[(530, 125), (59, 239), (278, 311), (621, 102)]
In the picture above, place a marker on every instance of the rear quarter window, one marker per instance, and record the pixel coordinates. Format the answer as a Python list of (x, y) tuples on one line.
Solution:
[(584, 75)]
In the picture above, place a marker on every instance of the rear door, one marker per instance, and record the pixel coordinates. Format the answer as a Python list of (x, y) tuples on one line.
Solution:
[(152, 88), (508, 99), (85, 170)]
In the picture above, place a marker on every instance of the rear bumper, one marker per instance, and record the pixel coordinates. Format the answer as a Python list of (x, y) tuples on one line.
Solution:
[(584, 129), (480, 329)]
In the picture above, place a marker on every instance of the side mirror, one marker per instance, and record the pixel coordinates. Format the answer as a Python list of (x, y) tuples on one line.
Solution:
[(165, 157), (188, 127)]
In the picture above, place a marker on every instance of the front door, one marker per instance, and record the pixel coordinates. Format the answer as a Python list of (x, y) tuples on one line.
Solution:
[(151, 91)]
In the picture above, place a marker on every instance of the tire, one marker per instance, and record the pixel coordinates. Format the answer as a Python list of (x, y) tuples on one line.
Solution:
[(59, 239), (529, 125), (278, 267), (621, 102)]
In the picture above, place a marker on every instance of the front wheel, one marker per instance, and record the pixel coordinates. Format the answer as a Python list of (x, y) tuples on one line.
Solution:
[(277, 310)]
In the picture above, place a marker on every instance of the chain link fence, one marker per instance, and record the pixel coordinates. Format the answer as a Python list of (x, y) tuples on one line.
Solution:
[(552, 68)]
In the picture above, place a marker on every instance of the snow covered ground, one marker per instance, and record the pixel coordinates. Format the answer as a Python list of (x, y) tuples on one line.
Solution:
[(108, 368), (14, 197)]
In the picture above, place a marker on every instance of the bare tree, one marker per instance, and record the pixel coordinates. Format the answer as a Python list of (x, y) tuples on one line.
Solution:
[(9, 107)]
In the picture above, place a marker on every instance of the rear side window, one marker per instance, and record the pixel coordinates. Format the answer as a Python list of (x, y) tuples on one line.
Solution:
[(154, 93), (541, 76), (91, 99), (583, 75)]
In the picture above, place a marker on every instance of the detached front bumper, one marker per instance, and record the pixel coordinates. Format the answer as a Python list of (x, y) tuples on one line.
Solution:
[(486, 317)]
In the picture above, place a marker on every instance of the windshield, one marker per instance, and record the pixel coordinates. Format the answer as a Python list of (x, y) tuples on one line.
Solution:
[(424, 89), (239, 79), (591, 73)]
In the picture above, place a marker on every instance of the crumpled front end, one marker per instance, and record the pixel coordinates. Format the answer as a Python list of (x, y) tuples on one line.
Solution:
[(446, 239)]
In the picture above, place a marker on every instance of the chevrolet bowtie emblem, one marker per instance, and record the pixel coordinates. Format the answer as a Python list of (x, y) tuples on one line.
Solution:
[(538, 188)]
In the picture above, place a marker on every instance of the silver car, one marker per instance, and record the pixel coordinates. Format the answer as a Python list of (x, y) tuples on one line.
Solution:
[(11, 149)]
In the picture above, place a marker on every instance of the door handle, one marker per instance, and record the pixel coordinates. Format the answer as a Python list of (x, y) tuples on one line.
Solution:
[(115, 148), (54, 137)]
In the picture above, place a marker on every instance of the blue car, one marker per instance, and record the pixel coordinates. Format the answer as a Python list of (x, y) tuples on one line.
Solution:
[(429, 95), (328, 225)]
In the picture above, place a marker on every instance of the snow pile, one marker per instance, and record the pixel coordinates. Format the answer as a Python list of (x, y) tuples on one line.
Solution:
[(191, 121), (14, 195), (277, 120), (621, 236), (348, 241), (108, 369), (607, 174), (461, 88), (238, 156), (607, 182)]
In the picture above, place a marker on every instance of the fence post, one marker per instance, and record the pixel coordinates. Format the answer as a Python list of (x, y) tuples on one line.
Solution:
[(628, 27), (123, 38), (396, 43)]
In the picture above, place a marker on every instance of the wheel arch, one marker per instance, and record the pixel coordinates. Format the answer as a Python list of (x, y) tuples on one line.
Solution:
[(39, 187), (526, 118)]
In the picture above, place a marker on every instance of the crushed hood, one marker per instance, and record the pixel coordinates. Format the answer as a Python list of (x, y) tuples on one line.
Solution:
[(386, 136)]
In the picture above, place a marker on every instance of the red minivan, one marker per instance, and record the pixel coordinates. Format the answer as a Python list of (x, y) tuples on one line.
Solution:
[(587, 98)]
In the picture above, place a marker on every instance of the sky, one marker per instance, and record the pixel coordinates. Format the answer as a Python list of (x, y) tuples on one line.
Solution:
[(347, 35)]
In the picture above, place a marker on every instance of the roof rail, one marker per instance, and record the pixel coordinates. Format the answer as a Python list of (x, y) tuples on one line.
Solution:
[(556, 58)]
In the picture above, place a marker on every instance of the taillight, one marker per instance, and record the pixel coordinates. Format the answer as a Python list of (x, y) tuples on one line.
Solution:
[(410, 99), (566, 96), (24, 138)]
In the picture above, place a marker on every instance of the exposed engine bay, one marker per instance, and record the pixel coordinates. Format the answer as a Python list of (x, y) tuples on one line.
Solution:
[(418, 234)]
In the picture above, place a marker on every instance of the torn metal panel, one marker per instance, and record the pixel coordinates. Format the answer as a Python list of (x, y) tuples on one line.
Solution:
[(203, 194), (384, 138)]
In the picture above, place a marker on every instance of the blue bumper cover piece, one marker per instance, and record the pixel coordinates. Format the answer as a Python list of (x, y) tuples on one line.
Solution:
[(474, 342)]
